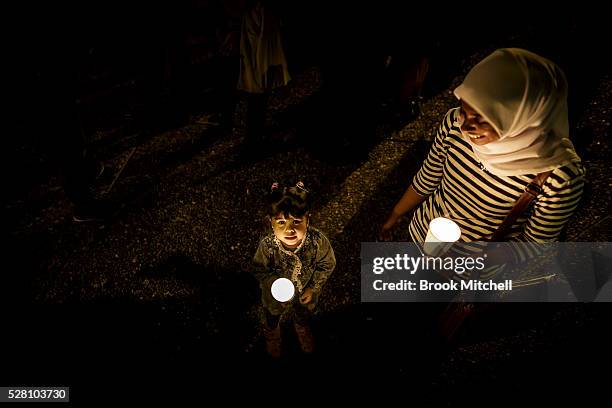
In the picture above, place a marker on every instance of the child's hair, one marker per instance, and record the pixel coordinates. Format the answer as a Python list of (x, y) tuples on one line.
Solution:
[(293, 200)]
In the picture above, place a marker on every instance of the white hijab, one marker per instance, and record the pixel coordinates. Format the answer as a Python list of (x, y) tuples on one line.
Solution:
[(524, 97)]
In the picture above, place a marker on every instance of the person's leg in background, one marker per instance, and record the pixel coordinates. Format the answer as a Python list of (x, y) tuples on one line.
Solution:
[(58, 128), (80, 171), (257, 106), (226, 95)]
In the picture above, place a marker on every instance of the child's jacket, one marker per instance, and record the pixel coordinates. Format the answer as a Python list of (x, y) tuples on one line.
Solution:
[(308, 266)]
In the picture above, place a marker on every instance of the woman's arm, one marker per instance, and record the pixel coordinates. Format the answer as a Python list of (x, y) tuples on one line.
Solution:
[(427, 178)]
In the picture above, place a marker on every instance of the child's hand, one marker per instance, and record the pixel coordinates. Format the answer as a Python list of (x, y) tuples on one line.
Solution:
[(306, 296)]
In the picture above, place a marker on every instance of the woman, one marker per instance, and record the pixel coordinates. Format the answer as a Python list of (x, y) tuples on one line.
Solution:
[(512, 125)]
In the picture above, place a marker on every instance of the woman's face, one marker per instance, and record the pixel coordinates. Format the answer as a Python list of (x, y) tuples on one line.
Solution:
[(475, 127), (289, 230)]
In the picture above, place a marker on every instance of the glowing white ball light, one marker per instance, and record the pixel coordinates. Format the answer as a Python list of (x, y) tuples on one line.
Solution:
[(283, 289), (443, 230), (440, 236)]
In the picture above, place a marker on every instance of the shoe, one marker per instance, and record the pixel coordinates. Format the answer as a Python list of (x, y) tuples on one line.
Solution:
[(91, 212), (305, 338), (273, 341)]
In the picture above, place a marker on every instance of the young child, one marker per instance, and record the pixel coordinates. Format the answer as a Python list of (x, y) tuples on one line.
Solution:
[(296, 251)]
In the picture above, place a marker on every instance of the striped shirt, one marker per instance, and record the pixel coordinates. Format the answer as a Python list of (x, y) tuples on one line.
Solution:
[(458, 187)]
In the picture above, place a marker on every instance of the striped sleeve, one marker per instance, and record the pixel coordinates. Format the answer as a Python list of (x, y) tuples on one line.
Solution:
[(559, 199), (430, 174)]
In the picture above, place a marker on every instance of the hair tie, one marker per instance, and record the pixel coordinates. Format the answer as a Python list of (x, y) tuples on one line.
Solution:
[(300, 185)]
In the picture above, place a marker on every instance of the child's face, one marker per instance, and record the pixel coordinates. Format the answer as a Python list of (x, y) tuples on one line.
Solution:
[(289, 230)]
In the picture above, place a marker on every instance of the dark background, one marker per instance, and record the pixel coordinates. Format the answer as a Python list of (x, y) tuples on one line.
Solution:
[(143, 68)]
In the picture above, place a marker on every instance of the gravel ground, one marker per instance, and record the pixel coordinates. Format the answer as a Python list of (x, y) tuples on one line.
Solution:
[(193, 216)]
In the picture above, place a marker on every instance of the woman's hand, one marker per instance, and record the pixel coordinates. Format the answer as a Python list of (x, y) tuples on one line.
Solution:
[(385, 231), (306, 296), (409, 201)]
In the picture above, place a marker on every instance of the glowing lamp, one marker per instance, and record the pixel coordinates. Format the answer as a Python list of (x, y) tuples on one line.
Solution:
[(283, 290), (441, 235)]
